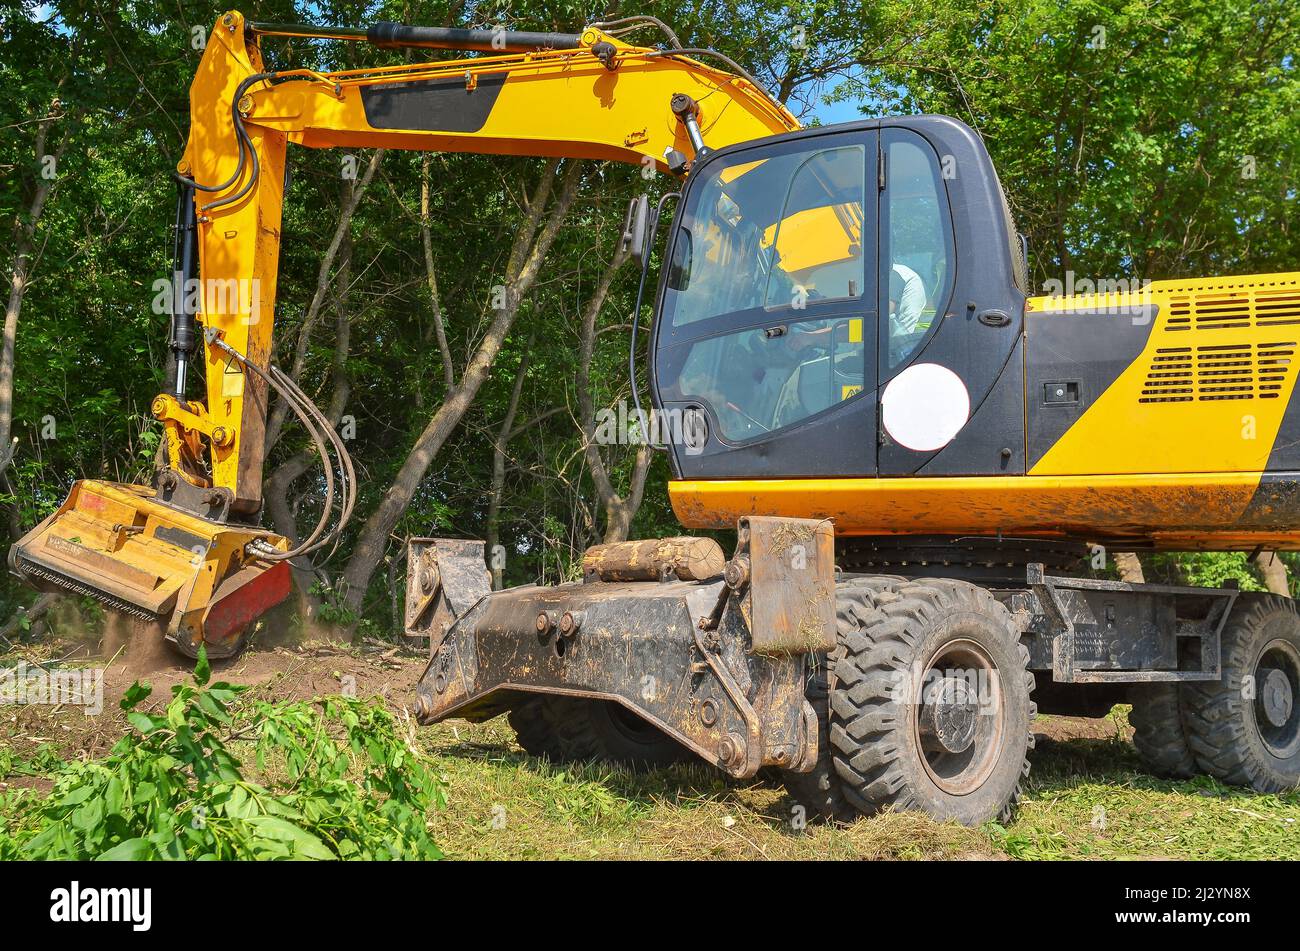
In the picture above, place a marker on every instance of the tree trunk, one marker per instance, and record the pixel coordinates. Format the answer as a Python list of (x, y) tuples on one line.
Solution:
[(1273, 570), (1130, 569), (435, 300), (24, 243), (352, 194), (536, 234), (38, 609), (277, 486), (619, 509), (493, 532)]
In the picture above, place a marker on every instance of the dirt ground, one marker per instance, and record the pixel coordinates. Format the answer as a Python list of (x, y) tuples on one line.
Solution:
[(127, 654), (130, 653), (1086, 797)]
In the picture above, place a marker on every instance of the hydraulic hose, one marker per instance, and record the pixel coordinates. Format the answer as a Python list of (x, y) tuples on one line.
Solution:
[(347, 472), (321, 433), (639, 21), (246, 151)]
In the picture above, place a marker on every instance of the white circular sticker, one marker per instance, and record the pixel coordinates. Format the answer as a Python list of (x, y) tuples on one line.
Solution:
[(924, 407)]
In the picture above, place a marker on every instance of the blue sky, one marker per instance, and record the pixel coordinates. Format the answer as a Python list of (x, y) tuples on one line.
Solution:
[(837, 112)]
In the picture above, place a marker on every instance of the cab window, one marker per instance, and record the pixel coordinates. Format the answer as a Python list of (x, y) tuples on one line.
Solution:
[(766, 288), (916, 245), (777, 232), (762, 379)]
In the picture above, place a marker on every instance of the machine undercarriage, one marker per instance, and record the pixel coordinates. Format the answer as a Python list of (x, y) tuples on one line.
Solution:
[(941, 656)]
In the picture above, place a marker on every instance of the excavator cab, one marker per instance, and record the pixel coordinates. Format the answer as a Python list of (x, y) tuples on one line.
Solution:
[(844, 317), (808, 271)]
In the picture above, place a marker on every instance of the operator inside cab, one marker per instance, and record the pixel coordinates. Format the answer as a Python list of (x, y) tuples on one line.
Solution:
[(906, 300)]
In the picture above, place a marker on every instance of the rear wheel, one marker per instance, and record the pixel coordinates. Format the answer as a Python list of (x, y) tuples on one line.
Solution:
[(533, 728), (1158, 732), (1245, 727), (928, 703), (578, 729)]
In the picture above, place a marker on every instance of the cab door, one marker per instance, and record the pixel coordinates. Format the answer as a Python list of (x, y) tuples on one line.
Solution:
[(950, 364), (766, 341)]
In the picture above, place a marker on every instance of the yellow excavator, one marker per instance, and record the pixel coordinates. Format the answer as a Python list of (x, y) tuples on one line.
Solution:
[(921, 461)]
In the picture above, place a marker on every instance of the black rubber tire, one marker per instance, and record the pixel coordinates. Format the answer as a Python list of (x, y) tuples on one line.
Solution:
[(887, 625), (818, 791), (574, 729), (534, 729), (1222, 722), (1158, 732)]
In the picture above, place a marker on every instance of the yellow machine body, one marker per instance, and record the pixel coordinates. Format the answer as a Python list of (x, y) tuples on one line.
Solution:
[(1174, 452)]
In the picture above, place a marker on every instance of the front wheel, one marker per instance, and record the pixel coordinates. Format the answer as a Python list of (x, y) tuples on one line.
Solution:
[(929, 701)]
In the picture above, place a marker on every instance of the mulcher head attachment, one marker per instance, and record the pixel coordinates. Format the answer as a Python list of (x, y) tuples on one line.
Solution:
[(204, 581)]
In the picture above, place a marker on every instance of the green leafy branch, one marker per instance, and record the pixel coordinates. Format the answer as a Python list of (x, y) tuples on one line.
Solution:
[(341, 778)]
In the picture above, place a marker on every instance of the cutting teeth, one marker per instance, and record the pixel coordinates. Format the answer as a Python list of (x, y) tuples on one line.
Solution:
[(76, 587)]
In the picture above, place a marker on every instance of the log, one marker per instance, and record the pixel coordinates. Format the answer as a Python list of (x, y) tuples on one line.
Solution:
[(33, 612), (687, 559)]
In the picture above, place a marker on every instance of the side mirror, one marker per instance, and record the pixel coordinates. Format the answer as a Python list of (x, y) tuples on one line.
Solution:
[(636, 230)]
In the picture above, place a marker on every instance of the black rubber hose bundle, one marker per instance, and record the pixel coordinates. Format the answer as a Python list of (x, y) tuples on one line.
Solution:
[(324, 437)]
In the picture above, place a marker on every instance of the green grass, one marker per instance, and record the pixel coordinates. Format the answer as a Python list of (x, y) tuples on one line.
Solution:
[(1086, 799), (1090, 799)]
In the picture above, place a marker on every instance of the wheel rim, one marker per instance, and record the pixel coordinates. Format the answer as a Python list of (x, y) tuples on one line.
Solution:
[(958, 719), (1276, 703)]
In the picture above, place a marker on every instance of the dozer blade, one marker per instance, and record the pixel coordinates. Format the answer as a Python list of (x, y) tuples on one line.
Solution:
[(117, 543)]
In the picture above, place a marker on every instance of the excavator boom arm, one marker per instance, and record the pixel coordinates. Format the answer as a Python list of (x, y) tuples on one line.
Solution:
[(589, 97), (188, 553)]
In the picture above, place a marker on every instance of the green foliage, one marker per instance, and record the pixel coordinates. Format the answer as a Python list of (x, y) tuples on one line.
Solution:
[(341, 780), (44, 760), (1215, 569), (1121, 158), (1136, 139)]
